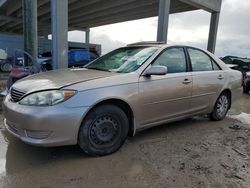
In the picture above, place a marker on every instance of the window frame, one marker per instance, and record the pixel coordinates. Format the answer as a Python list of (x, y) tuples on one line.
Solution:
[(168, 48)]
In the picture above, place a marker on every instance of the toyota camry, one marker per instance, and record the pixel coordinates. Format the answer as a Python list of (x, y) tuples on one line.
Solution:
[(127, 90)]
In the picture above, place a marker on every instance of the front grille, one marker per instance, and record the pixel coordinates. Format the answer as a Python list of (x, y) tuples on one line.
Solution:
[(16, 94)]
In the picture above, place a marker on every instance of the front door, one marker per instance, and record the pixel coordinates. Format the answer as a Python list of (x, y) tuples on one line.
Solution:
[(168, 96)]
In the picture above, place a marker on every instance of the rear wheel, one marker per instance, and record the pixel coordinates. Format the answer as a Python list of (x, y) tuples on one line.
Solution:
[(103, 131), (221, 107)]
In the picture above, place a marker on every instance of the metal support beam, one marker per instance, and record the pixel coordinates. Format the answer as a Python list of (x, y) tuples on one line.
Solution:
[(214, 22), (87, 36), (59, 17), (30, 28), (163, 18)]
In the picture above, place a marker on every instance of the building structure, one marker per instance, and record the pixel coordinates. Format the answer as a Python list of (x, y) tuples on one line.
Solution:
[(60, 16)]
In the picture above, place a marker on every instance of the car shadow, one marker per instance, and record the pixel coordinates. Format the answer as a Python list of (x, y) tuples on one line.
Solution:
[(161, 130)]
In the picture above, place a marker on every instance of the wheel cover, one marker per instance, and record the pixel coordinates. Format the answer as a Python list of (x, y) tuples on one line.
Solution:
[(222, 106), (104, 130)]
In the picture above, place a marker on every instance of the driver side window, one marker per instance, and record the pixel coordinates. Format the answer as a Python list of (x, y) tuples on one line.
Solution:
[(174, 59)]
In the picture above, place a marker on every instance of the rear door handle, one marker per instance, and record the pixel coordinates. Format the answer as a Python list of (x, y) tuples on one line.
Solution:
[(220, 77), (186, 81)]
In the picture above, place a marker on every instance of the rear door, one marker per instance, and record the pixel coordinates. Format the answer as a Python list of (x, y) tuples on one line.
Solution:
[(208, 80), (167, 96)]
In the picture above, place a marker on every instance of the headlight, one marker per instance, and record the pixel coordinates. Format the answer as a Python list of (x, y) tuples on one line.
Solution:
[(47, 98)]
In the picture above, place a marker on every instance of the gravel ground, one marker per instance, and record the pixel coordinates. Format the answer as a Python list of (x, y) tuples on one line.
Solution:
[(190, 153)]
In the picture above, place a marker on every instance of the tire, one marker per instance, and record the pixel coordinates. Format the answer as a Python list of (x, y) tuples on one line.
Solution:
[(45, 67), (246, 89), (221, 107), (6, 67), (103, 131)]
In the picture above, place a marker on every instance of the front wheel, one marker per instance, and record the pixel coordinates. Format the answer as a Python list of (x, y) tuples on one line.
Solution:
[(103, 131), (221, 107)]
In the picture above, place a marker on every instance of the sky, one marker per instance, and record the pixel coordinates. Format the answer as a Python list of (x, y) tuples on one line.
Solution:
[(190, 28)]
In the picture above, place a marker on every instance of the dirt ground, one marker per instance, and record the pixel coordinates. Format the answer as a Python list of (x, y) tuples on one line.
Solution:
[(2, 86), (190, 153)]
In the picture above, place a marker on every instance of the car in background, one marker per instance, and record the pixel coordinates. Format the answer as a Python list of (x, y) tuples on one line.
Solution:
[(81, 57), (242, 65), (20, 70), (247, 82), (6, 64), (5, 61), (125, 91), (43, 63), (76, 58)]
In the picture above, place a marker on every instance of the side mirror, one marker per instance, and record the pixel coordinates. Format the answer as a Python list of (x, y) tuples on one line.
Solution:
[(156, 70)]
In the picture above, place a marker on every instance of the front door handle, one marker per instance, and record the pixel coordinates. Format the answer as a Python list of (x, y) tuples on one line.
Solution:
[(220, 77), (186, 81)]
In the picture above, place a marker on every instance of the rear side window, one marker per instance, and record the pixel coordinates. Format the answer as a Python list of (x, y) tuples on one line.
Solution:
[(200, 61), (174, 59)]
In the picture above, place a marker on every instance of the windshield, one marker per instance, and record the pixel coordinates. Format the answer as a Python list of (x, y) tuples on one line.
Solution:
[(123, 60)]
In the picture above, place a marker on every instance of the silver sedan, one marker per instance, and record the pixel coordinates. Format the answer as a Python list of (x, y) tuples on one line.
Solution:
[(127, 90)]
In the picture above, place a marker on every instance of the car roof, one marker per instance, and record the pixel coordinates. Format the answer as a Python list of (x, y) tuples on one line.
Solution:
[(146, 43), (160, 44)]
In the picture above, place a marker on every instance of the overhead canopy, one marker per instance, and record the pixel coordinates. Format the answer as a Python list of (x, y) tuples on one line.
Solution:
[(84, 14)]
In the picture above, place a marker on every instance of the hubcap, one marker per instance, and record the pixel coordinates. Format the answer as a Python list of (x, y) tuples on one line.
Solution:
[(104, 130), (222, 106)]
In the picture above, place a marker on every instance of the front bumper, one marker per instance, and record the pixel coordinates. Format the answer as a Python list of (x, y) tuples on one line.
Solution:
[(43, 126)]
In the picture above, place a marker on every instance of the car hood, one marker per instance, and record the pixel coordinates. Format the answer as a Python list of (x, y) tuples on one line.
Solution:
[(58, 79)]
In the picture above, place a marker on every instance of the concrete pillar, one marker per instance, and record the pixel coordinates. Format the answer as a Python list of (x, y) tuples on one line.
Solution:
[(163, 18), (30, 28), (87, 36), (214, 22), (59, 17)]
